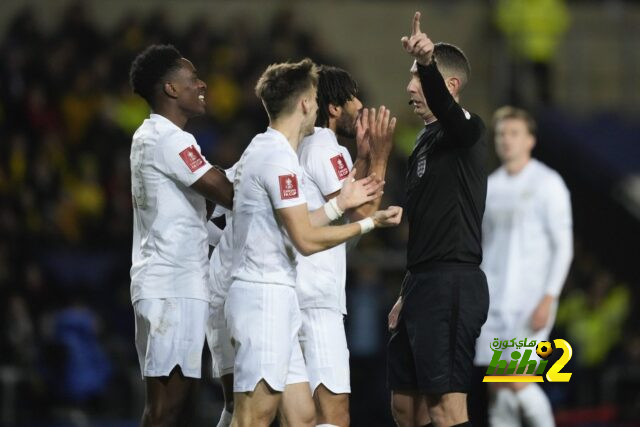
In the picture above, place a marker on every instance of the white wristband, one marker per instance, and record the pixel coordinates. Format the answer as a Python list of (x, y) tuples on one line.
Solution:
[(332, 209), (366, 225)]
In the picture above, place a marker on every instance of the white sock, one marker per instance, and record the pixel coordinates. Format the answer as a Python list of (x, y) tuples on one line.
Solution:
[(535, 406), (225, 419), (503, 410)]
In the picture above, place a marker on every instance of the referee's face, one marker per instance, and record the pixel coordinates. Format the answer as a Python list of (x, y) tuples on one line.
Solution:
[(513, 140), (416, 95)]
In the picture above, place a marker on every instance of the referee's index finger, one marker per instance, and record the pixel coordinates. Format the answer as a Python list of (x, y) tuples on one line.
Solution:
[(415, 27)]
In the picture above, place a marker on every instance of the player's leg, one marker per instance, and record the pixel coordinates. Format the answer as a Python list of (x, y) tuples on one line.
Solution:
[(297, 407), (534, 405), (504, 409), (324, 344), (170, 336), (256, 408), (227, 393), (331, 408), (222, 358), (263, 322), (168, 400)]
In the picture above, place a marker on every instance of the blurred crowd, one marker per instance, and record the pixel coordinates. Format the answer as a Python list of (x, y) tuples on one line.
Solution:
[(66, 119)]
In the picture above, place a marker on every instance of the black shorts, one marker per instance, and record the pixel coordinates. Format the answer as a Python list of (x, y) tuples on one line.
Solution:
[(433, 346)]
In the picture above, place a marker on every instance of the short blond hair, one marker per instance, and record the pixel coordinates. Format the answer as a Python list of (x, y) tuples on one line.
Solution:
[(509, 112), (281, 84)]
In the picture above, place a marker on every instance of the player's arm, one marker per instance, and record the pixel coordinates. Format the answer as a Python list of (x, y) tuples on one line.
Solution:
[(376, 131), (558, 226), (215, 186), (179, 157), (466, 128), (353, 194), (309, 239), (374, 138)]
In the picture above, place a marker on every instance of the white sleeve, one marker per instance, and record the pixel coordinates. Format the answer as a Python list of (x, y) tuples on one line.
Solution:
[(327, 167), (559, 226), (281, 177), (178, 156)]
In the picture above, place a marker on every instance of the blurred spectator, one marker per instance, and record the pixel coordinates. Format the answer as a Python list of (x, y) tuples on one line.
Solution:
[(533, 30)]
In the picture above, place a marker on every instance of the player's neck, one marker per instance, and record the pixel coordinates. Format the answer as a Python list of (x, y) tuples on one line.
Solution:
[(516, 166), (176, 117), (291, 130)]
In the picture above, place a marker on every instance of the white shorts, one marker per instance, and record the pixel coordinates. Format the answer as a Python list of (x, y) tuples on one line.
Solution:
[(170, 332), (324, 346), (507, 327), (219, 341), (263, 321)]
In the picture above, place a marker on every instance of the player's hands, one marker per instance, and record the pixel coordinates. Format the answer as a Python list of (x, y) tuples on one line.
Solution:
[(418, 44), (356, 193), (541, 314), (389, 217), (381, 129), (363, 137), (394, 314)]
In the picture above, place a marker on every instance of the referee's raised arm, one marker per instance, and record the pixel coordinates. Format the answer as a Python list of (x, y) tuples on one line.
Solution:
[(443, 81)]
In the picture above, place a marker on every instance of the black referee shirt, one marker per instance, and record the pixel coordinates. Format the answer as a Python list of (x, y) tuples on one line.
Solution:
[(446, 182)]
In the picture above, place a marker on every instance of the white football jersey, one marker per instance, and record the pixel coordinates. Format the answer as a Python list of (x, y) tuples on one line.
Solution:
[(169, 256), (268, 177), (222, 255), (321, 276), (527, 237)]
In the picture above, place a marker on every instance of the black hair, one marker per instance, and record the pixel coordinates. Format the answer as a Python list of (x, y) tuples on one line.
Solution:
[(452, 60), (150, 67), (281, 84), (335, 86)]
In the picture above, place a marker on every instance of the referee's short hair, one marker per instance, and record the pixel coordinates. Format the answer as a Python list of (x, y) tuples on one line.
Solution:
[(335, 87), (452, 62), (509, 112), (150, 68), (281, 84)]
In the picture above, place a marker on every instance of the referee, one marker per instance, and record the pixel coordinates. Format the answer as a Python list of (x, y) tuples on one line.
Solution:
[(444, 298)]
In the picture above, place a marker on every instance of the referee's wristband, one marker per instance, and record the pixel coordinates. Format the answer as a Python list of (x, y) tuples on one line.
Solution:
[(366, 225), (332, 209)]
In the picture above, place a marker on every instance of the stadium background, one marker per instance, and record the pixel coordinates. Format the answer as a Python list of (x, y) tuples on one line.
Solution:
[(67, 114)]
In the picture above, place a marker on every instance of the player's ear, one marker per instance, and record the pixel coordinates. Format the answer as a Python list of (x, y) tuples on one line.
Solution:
[(305, 103), (334, 111), (170, 90)]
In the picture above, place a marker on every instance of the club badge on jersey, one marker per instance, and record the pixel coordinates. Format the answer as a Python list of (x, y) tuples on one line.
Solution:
[(288, 186), (340, 166), (192, 158)]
